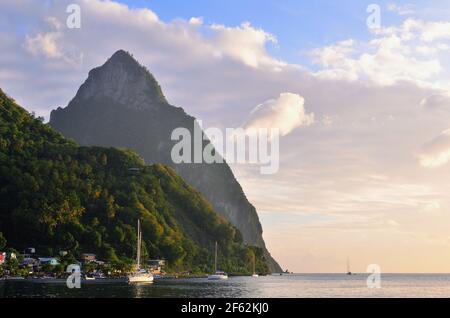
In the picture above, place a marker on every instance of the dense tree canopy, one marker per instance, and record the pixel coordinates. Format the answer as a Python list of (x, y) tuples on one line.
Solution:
[(2, 241), (55, 195)]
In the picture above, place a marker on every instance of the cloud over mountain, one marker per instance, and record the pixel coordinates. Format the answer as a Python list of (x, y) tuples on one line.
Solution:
[(286, 113)]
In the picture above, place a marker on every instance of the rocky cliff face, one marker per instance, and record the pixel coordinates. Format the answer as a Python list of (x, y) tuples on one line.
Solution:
[(123, 80), (122, 105)]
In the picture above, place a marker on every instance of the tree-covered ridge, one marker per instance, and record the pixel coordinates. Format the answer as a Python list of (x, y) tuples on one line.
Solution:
[(55, 195)]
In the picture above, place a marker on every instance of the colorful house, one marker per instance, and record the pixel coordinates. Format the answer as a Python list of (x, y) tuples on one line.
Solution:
[(156, 265), (88, 257), (48, 260)]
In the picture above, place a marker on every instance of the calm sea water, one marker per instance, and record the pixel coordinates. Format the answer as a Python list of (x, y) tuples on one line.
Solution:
[(299, 285)]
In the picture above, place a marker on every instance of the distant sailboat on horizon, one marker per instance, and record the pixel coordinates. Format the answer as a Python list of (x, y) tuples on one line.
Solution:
[(349, 272)]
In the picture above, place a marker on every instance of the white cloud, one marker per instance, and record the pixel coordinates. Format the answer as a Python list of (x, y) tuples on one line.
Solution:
[(247, 44), (333, 54), (197, 21), (51, 44), (172, 51), (435, 31), (242, 43), (118, 12), (436, 153), (406, 9), (410, 52), (287, 112), (46, 43)]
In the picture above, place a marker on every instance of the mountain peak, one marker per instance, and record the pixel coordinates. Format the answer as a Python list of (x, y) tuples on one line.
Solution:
[(123, 57), (122, 54), (123, 80)]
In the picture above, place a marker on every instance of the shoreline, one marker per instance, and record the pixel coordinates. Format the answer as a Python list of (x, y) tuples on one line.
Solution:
[(98, 281), (61, 281)]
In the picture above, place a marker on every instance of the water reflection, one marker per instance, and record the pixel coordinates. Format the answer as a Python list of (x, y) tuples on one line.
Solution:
[(319, 285)]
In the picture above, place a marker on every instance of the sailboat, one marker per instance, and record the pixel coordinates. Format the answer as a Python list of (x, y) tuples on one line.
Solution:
[(349, 272), (218, 275), (254, 265), (139, 275)]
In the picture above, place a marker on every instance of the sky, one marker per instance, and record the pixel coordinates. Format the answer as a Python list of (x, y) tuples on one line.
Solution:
[(365, 150)]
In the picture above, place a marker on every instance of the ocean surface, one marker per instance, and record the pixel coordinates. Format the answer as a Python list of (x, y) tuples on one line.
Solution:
[(294, 285)]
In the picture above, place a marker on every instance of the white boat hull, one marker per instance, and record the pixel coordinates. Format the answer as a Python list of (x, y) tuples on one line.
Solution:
[(217, 277), (140, 278)]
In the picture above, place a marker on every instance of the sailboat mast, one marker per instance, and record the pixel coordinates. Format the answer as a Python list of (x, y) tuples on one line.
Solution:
[(140, 245), (215, 258), (254, 261), (348, 265), (138, 256)]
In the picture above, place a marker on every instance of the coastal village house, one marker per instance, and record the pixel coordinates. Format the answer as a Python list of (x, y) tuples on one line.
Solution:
[(30, 250), (156, 265), (29, 261), (48, 260), (88, 257)]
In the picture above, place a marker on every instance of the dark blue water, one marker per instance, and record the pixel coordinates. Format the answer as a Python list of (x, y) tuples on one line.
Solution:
[(301, 285)]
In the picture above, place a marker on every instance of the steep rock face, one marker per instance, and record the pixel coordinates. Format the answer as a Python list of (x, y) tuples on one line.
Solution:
[(122, 105), (125, 81)]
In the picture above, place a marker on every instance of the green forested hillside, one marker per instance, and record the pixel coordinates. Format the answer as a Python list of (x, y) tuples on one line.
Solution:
[(55, 195)]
